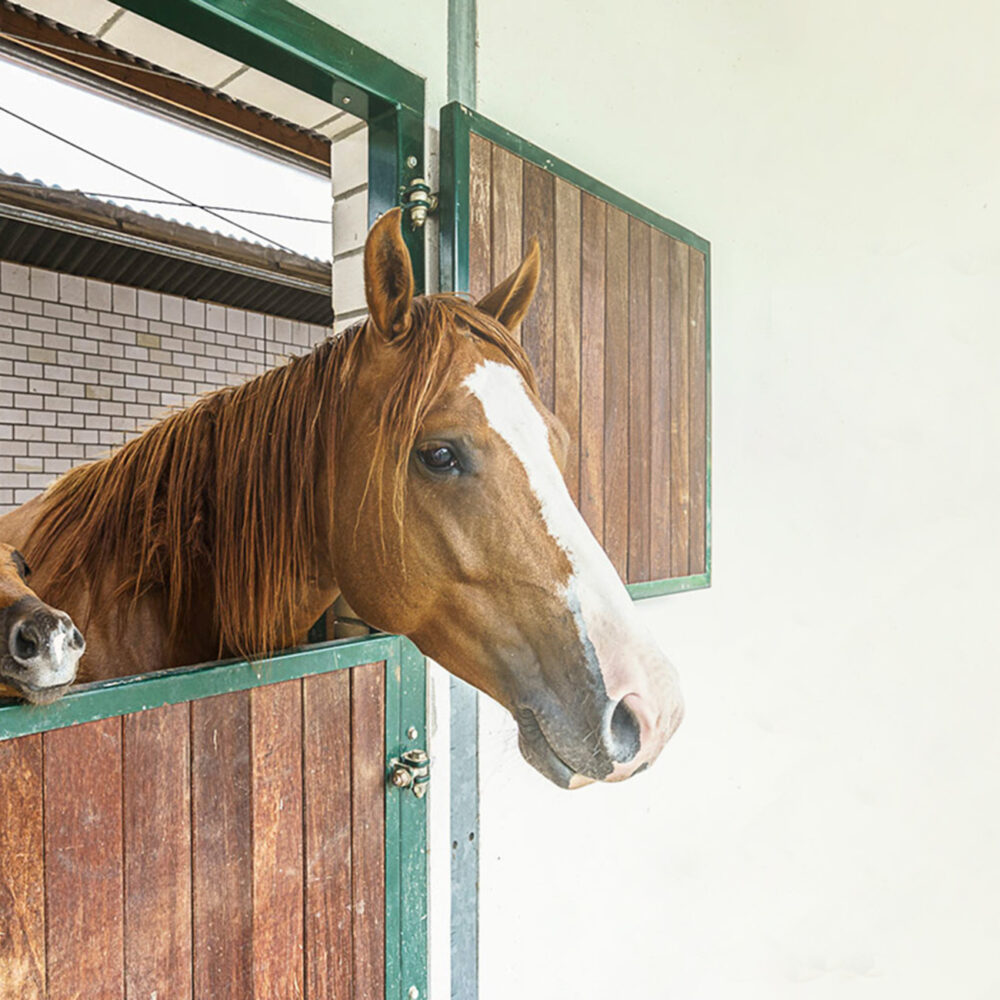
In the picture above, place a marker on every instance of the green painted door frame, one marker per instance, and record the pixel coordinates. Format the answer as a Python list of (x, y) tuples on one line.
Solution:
[(282, 40), (285, 42)]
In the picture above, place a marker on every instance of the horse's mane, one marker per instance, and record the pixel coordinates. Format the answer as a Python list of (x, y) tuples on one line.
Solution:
[(218, 502)]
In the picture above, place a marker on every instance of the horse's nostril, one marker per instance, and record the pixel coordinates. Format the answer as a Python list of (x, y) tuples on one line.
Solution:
[(76, 639), (626, 736), (25, 642)]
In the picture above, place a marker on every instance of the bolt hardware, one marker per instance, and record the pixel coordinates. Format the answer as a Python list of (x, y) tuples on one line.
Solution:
[(411, 770)]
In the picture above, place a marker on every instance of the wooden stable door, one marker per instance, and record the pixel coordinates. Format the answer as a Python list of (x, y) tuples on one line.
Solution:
[(229, 846), (617, 334)]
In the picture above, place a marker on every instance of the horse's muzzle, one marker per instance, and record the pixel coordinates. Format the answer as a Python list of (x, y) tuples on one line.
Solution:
[(43, 650), (624, 742)]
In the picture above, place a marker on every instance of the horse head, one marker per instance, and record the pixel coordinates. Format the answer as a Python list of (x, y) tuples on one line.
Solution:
[(461, 533), (39, 646)]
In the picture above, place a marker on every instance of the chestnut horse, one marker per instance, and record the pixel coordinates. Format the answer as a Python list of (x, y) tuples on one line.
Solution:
[(407, 465), (39, 646)]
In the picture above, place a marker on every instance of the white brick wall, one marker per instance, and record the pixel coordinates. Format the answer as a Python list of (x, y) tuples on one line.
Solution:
[(85, 364), (349, 166)]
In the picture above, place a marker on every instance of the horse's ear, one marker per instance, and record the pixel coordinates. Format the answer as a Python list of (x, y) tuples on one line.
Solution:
[(388, 275), (509, 301)]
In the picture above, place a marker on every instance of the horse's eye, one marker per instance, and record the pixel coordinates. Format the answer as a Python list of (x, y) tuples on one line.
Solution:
[(438, 457)]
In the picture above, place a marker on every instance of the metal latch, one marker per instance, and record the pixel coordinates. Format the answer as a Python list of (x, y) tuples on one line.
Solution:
[(411, 770)]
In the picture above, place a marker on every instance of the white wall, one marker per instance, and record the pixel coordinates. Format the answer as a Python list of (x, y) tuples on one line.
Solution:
[(825, 823)]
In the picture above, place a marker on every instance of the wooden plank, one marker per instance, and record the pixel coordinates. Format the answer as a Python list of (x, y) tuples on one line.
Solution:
[(593, 241), (368, 828), (22, 893), (276, 767), (537, 330), (567, 324), (157, 843), (616, 388), (505, 210), (639, 406), (659, 407), (699, 412), (480, 215), (680, 465), (222, 851), (327, 804), (83, 861)]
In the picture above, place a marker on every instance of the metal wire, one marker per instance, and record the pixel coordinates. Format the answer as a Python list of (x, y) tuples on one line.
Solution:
[(145, 180), (122, 63)]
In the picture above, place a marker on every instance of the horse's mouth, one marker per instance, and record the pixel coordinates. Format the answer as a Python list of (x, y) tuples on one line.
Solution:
[(538, 752), (33, 693)]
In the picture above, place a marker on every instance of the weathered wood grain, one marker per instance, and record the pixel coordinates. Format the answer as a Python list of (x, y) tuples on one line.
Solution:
[(567, 324), (222, 851), (593, 236), (276, 777), (680, 404), (616, 391), (22, 894), (480, 216), (639, 403), (659, 407), (699, 413), (157, 844), (327, 805), (538, 328), (83, 861), (506, 214), (368, 828)]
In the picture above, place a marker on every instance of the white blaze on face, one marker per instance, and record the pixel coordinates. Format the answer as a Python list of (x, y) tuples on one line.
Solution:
[(629, 661)]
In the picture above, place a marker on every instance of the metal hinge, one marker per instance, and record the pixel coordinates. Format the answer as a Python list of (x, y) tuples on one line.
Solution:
[(417, 199), (411, 770)]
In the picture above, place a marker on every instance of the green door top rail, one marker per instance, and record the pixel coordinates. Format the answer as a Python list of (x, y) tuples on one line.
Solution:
[(285, 41), (457, 124), (123, 695)]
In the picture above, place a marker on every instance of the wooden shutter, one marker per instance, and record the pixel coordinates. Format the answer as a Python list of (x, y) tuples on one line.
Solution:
[(618, 336)]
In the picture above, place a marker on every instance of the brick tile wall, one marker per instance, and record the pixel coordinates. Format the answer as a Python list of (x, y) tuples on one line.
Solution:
[(85, 364)]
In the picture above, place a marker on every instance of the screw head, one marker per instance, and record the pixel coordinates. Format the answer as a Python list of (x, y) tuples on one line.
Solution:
[(412, 733), (413, 993), (345, 100), (411, 161)]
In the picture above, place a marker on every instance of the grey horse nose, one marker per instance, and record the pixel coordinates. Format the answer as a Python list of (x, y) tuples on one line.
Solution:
[(626, 734), (25, 642), (75, 639)]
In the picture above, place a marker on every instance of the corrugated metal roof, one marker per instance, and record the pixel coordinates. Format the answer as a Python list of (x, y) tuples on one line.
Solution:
[(69, 232)]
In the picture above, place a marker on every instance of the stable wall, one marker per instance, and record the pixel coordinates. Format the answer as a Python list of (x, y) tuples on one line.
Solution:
[(824, 824)]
